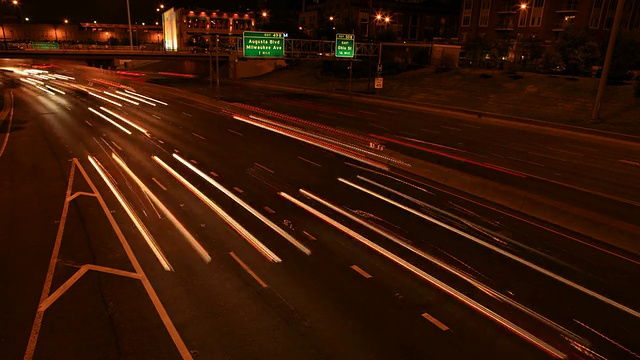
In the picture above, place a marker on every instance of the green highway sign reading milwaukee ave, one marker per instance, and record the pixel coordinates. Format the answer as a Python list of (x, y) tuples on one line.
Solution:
[(263, 44), (345, 45)]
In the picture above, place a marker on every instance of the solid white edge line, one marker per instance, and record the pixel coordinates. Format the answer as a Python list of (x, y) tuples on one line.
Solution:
[(246, 206), (500, 251), (192, 241), (213, 206), (439, 284), (134, 218)]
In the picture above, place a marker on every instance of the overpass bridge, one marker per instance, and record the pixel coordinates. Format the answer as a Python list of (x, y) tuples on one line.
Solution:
[(296, 49)]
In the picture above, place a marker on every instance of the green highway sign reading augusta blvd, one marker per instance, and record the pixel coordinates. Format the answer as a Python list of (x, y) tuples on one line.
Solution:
[(345, 45), (263, 44)]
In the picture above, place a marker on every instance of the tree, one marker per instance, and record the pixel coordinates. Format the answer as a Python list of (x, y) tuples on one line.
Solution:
[(626, 56), (579, 54), (476, 49)]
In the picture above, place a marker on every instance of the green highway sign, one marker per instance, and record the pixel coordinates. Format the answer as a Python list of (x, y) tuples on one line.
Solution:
[(345, 45), (263, 44)]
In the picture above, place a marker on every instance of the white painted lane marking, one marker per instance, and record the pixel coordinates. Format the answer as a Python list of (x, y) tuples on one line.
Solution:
[(495, 248), (197, 135), (184, 113), (6, 138), (213, 173), (247, 269), (361, 272), (164, 316), (87, 121), (159, 184), (116, 145), (235, 132), (368, 112), (246, 206), (264, 167), (471, 126), (439, 284), (238, 189), (450, 128), (265, 251), (309, 235), (435, 322), (430, 131), (309, 161), (156, 116), (269, 210)]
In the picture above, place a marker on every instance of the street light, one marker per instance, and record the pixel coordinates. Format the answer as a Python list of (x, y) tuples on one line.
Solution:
[(264, 14), (15, 2), (66, 21), (330, 18), (387, 19), (161, 6), (378, 17), (523, 6)]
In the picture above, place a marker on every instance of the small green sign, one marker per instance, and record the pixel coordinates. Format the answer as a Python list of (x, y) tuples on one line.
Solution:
[(345, 45), (263, 44)]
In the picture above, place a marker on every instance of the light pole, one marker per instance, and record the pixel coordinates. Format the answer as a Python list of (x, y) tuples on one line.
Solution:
[(130, 29)]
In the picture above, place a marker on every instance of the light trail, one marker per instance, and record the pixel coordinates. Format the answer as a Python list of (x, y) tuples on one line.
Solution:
[(311, 141), (45, 89), (135, 97), (103, 98), (213, 206), (498, 250), (111, 121), (192, 241), (482, 287), (132, 215), (146, 97), (139, 128), (246, 206), (122, 98), (56, 90), (437, 283)]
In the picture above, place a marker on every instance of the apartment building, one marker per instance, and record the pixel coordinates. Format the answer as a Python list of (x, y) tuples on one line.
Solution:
[(545, 19)]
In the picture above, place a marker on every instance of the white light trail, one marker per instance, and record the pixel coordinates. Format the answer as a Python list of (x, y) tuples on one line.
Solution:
[(192, 241), (56, 90), (246, 206), (213, 206), (111, 121), (311, 141), (146, 97), (136, 221), (122, 98), (139, 128), (439, 284), (103, 98), (498, 250), (135, 97), (45, 90), (444, 266)]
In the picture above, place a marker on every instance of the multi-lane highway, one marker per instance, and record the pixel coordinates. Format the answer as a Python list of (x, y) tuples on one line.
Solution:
[(140, 221)]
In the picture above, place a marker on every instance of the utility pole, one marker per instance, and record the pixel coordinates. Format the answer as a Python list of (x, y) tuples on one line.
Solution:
[(4, 37), (595, 114), (130, 30), (210, 63)]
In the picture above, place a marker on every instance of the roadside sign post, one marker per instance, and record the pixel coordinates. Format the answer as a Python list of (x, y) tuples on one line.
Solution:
[(378, 84), (262, 44), (345, 45)]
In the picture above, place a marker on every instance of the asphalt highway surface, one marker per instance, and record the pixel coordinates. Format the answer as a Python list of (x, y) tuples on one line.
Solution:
[(137, 221)]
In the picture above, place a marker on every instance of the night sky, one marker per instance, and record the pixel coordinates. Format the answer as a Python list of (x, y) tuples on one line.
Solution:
[(115, 11)]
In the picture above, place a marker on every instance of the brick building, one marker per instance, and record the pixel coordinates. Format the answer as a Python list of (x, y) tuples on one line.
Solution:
[(544, 19)]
